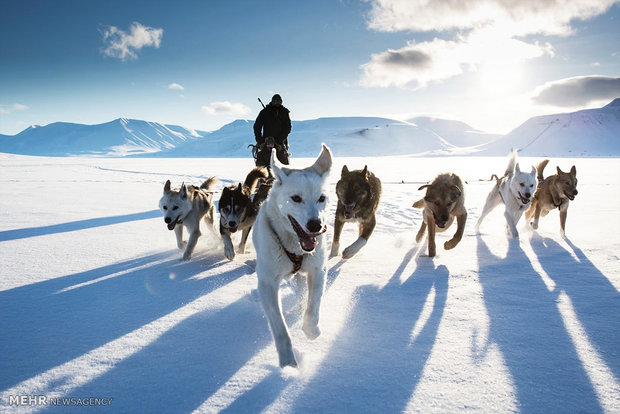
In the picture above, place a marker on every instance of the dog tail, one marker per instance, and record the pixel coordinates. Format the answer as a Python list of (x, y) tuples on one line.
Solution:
[(512, 161), (209, 184), (540, 167), (256, 174)]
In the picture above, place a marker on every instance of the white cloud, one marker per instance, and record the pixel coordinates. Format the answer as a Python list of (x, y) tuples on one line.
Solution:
[(122, 45), (176, 87), (417, 64), (489, 33), (226, 108), (7, 109), (578, 91)]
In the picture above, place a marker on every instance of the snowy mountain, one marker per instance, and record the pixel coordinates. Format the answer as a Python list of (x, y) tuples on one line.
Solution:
[(590, 132), (457, 133), (586, 133), (354, 136), (116, 138)]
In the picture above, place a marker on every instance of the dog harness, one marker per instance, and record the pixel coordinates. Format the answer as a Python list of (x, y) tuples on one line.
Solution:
[(297, 260)]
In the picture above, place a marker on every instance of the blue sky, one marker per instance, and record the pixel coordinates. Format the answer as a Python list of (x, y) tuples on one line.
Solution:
[(202, 64)]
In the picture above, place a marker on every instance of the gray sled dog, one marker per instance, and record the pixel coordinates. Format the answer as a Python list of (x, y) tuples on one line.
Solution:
[(186, 207), (555, 191), (288, 238), (444, 200), (515, 190), (238, 210), (358, 194)]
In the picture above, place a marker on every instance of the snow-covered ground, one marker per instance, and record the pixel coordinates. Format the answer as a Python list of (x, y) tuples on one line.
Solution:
[(95, 302)]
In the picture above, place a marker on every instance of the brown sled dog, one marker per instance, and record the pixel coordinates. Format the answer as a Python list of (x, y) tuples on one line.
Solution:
[(553, 192), (358, 198), (444, 200), (238, 210)]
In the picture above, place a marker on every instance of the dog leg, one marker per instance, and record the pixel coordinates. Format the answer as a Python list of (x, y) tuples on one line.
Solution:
[(191, 244), (460, 220), (421, 232), (244, 239), (512, 228), (365, 230), (270, 299), (338, 225), (229, 248), (432, 249), (178, 232), (316, 285), (534, 223), (563, 213), (493, 200)]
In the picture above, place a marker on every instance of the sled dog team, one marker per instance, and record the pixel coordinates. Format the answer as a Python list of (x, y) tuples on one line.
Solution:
[(287, 212)]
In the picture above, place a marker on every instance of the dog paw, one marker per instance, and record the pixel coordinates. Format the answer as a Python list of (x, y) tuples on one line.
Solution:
[(182, 245), (450, 244), (334, 251), (229, 253), (186, 256), (312, 331), (348, 253)]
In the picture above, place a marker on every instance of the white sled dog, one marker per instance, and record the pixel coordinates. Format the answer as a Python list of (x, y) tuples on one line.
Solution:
[(515, 190), (186, 207), (288, 238)]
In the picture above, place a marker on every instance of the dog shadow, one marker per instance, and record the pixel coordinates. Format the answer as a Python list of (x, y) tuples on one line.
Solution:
[(76, 225), (49, 323), (525, 323), (594, 299), (385, 360)]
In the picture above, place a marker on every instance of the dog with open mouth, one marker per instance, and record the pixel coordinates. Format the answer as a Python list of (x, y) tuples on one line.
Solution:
[(555, 191), (238, 209), (289, 238), (515, 190), (444, 200), (187, 206), (358, 193)]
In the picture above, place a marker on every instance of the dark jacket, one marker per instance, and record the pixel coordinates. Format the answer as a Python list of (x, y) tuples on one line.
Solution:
[(272, 121)]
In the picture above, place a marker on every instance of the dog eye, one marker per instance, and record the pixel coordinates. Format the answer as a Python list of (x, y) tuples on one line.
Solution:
[(175, 207), (531, 185), (296, 198), (522, 185), (322, 198)]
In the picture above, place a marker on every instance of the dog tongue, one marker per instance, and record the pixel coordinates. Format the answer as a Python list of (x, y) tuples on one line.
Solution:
[(307, 241), (171, 225)]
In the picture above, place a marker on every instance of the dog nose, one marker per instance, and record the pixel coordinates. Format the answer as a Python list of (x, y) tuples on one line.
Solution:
[(444, 217), (528, 195), (167, 220), (232, 224), (575, 192), (314, 226)]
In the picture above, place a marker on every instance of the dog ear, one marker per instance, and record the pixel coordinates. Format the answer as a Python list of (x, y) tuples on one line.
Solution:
[(167, 187), (183, 191), (424, 186), (323, 163), (345, 171), (239, 187), (517, 169), (279, 170), (458, 190), (559, 171), (365, 170), (533, 172), (573, 170)]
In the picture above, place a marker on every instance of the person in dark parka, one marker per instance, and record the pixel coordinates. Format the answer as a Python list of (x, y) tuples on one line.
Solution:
[(271, 129)]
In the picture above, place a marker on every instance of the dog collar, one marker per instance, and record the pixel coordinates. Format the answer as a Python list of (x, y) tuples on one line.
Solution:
[(297, 260)]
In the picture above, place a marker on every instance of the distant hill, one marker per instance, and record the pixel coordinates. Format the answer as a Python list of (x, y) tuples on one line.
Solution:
[(116, 138), (589, 133), (586, 133)]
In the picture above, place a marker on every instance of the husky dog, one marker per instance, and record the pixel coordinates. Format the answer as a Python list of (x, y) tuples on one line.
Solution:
[(555, 191), (515, 190), (444, 200), (288, 239), (186, 207), (358, 198), (238, 211)]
